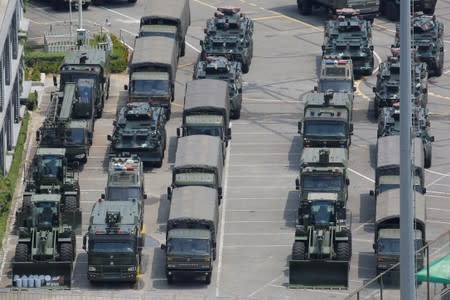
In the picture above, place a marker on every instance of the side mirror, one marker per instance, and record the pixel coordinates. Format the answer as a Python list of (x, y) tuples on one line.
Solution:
[(169, 192), (76, 165), (432, 138), (297, 183), (299, 126), (371, 47), (374, 246), (84, 241), (163, 247), (350, 129), (125, 87), (424, 190), (178, 132), (354, 89), (425, 90), (201, 43), (102, 196), (374, 89), (323, 47), (219, 191), (114, 123), (109, 137), (38, 136), (145, 196), (140, 242), (347, 181), (392, 46), (371, 193), (55, 81), (229, 133), (315, 88)]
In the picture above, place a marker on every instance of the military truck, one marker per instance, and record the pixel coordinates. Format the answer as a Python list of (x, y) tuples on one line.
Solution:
[(114, 241), (48, 174), (140, 130), (218, 67), (69, 122), (170, 18), (229, 33), (46, 244), (152, 69), (350, 37), (389, 124), (198, 162), (391, 8), (322, 249), (125, 179), (387, 172), (369, 9), (427, 37), (89, 63), (191, 240), (206, 110), (327, 120), (387, 229), (336, 75)]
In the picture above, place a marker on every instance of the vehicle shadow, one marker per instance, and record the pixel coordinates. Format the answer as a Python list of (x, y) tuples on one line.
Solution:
[(290, 209)]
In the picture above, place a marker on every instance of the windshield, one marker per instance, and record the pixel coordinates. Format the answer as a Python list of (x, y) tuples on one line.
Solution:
[(188, 246), (157, 33), (323, 128), (335, 85), (150, 87), (113, 246), (72, 76), (75, 136), (322, 212), (51, 166), (123, 193), (207, 130), (392, 246), (322, 183), (46, 213)]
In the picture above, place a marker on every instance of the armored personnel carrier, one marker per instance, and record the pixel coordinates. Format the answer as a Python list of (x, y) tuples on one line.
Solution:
[(336, 75), (389, 124), (322, 249), (229, 33), (228, 71), (140, 130), (427, 37), (350, 37)]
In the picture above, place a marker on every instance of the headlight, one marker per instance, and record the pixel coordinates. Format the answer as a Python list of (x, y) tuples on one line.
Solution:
[(130, 269), (80, 156), (92, 269)]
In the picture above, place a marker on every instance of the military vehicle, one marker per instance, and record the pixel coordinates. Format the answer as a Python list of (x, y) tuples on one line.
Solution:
[(191, 241), (391, 8), (427, 37), (48, 174), (140, 130), (322, 249), (229, 33), (350, 37), (369, 9), (61, 4), (336, 75), (222, 69), (114, 241), (198, 162), (387, 172), (389, 124), (46, 244), (327, 120), (206, 110), (93, 64), (69, 122), (387, 229), (170, 18), (125, 179), (152, 69)]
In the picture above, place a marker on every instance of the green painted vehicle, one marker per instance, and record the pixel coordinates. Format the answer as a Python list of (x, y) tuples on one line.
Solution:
[(368, 9), (391, 8)]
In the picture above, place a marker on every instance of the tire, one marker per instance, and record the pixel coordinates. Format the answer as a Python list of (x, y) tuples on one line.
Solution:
[(375, 109), (392, 11), (298, 251), (245, 68), (85, 6), (237, 114), (97, 2), (439, 68), (343, 251), (169, 279), (70, 204), (208, 279), (21, 254), (304, 7), (159, 163), (66, 252), (26, 203), (428, 156), (183, 48)]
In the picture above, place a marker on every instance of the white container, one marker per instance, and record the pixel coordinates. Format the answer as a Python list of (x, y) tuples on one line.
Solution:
[(42, 279), (24, 281), (18, 282), (31, 282), (37, 282), (47, 279)]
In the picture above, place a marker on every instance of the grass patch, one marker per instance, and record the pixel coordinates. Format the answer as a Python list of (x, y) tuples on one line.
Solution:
[(8, 182)]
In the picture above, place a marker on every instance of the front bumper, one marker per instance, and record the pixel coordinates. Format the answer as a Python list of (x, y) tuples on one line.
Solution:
[(153, 155), (105, 276)]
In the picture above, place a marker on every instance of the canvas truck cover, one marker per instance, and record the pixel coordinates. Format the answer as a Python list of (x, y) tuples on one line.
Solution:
[(175, 12), (388, 152), (194, 207), (207, 95), (202, 151), (388, 208), (152, 52)]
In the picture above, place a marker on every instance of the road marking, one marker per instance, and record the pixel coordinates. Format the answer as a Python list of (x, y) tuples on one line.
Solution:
[(265, 285), (439, 209), (263, 209), (438, 222), (362, 240), (361, 175), (262, 187), (362, 225), (222, 221), (271, 100), (437, 180), (119, 13), (205, 4), (256, 246), (267, 176), (437, 196), (192, 47), (259, 233), (437, 192), (438, 96), (359, 92), (254, 222)]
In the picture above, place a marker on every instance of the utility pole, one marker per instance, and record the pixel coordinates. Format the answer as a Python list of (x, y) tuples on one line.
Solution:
[(407, 250)]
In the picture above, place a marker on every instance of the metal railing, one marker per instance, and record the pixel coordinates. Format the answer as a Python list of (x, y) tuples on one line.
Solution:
[(386, 284), (66, 41)]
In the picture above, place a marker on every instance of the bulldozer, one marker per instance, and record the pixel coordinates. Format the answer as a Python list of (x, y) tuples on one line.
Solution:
[(46, 243), (322, 248)]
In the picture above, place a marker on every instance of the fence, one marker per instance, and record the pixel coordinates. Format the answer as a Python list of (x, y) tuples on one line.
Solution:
[(67, 41), (386, 284)]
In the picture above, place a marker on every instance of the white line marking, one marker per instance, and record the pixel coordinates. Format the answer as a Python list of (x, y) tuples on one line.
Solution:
[(265, 285), (361, 175), (437, 196), (261, 187), (362, 240), (267, 176), (437, 192), (192, 47), (262, 210), (439, 209), (244, 222), (437, 180), (438, 222), (256, 246), (259, 233), (437, 173), (379, 61), (119, 13), (222, 221)]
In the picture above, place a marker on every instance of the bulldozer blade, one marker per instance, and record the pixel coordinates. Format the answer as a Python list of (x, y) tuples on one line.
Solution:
[(320, 274), (63, 269), (73, 219)]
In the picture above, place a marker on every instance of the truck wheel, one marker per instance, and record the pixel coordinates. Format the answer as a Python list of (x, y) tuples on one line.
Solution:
[(183, 48), (298, 251), (21, 254), (245, 68), (70, 204), (392, 11), (428, 155), (159, 163), (66, 252), (304, 7), (237, 113), (26, 203), (169, 279), (208, 278), (85, 6), (439, 68), (343, 251)]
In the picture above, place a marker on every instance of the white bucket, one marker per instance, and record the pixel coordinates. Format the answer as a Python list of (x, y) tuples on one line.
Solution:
[(24, 281), (31, 282)]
